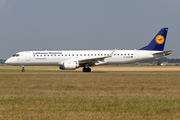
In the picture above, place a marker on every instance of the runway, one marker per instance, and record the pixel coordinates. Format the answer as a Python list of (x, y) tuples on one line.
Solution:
[(124, 72)]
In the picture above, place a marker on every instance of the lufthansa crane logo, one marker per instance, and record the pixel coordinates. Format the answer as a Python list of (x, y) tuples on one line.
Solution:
[(159, 39)]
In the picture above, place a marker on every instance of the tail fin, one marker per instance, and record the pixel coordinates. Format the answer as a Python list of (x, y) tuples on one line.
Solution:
[(157, 44)]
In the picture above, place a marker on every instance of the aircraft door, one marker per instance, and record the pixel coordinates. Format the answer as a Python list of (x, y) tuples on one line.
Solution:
[(27, 56), (137, 54)]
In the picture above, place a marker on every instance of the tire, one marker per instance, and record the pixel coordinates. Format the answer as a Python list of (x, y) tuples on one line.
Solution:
[(86, 69)]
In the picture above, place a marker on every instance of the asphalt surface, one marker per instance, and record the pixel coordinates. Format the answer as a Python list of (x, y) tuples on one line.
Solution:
[(136, 72)]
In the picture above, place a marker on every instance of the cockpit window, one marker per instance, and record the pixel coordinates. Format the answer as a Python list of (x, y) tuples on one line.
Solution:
[(16, 55)]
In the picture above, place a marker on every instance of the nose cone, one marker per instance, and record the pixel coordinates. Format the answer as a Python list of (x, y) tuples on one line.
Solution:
[(7, 61)]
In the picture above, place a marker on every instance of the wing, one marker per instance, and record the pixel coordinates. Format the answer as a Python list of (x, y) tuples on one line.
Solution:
[(96, 60), (91, 61)]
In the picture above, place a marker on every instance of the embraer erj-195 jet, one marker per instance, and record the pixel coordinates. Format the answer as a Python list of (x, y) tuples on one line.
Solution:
[(71, 60)]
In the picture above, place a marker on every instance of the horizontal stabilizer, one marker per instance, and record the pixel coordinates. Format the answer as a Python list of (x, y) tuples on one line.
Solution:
[(164, 53)]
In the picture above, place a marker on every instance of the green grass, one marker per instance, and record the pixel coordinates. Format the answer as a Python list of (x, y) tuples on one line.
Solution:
[(90, 96)]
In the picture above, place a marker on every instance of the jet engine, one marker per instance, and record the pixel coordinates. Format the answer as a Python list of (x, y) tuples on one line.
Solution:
[(69, 65)]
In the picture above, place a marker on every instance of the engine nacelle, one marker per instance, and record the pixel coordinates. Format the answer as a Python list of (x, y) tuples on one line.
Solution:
[(69, 65)]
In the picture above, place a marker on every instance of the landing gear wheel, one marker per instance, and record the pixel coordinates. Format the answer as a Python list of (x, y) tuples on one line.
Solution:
[(84, 69), (23, 70), (87, 69)]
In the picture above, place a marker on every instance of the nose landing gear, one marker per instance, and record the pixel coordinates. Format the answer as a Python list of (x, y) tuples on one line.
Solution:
[(23, 70)]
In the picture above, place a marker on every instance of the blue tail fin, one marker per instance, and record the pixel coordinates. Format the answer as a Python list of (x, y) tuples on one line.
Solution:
[(158, 42)]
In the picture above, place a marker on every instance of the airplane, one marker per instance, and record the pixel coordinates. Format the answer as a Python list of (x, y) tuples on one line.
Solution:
[(71, 60)]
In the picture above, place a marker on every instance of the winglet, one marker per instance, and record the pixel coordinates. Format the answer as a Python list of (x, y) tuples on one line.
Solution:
[(112, 53)]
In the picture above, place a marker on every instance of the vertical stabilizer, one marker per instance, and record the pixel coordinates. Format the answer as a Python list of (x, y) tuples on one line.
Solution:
[(158, 42)]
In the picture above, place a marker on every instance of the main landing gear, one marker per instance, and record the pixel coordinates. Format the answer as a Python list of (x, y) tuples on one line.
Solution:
[(23, 70), (86, 68)]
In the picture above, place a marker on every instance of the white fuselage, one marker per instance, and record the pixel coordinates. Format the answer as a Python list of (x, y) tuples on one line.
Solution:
[(36, 58)]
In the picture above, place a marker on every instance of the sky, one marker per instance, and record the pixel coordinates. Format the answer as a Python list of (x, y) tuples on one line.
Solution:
[(27, 25)]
